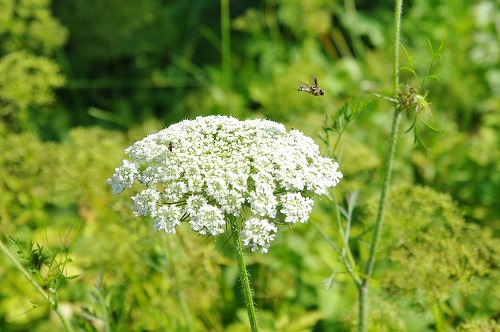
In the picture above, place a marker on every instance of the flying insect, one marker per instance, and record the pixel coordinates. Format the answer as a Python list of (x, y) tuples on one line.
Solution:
[(312, 88)]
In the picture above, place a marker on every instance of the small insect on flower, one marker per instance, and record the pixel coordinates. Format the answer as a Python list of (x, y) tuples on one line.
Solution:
[(312, 88), (170, 146)]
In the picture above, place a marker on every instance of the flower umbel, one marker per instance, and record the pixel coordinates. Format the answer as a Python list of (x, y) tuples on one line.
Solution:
[(257, 234), (211, 168)]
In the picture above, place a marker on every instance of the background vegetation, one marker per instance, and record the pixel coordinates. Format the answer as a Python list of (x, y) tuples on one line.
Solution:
[(81, 80)]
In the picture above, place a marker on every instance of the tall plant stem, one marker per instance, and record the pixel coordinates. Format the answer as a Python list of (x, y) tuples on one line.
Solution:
[(51, 298), (389, 160), (245, 282), (225, 42)]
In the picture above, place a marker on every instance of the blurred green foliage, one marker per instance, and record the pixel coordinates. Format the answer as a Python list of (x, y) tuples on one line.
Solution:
[(29, 74), (17, 68), (434, 258), (124, 69)]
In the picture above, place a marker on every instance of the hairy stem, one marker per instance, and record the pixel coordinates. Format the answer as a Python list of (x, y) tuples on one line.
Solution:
[(245, 282), (389, 159)]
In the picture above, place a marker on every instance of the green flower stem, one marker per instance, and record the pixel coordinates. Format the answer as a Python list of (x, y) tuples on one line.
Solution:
[(363, 288), (245, 282), (51, 299)]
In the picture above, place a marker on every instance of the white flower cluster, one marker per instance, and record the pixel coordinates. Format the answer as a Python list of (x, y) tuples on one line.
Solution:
[(207, 169)]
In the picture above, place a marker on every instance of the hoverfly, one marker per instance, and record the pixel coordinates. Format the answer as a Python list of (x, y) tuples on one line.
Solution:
[(312, 89)]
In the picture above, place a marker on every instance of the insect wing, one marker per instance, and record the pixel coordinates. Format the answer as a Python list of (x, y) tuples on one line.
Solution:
[(303, 86), (314, 80)]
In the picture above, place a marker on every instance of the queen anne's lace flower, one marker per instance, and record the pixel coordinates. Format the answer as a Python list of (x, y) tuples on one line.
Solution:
[(167, 218), (124, 177), (145, 202), (257, 234), (295, 207), (208, 220), (211, 168)]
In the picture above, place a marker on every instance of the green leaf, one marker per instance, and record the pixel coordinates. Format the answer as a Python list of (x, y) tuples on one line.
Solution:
[(431, 127)]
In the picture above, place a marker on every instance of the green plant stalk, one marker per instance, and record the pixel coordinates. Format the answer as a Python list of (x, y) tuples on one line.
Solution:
[(245, 282), (52, 300), (389, 160), (346, 253), (438, 317), (225, 42)]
